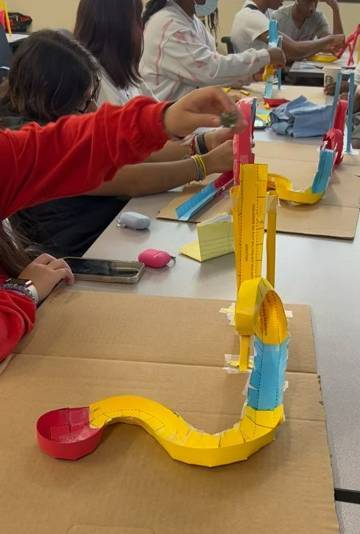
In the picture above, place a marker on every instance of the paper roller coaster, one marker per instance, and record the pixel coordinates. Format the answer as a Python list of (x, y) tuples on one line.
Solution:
[(72, 433)]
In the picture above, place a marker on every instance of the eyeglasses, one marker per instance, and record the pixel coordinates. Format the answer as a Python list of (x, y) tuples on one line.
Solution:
[(92, 98)]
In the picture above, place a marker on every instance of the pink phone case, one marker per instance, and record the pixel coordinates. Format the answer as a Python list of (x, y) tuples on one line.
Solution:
[(154, 258)]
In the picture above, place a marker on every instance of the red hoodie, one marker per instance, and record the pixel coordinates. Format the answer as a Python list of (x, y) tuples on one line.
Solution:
[(67, 158)]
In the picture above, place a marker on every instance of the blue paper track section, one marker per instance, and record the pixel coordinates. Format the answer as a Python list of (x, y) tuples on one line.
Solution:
[(321, 180), (187, 209), (266, 388)]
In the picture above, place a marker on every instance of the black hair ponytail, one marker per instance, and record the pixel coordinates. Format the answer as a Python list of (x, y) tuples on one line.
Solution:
[(152, 7)]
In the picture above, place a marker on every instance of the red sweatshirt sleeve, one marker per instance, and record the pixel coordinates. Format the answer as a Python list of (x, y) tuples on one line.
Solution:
[(76, 154), (17, 316), (69, 157)]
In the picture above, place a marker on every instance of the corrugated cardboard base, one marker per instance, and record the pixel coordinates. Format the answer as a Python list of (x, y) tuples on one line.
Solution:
[(87, 346), (336, 215), (314, 94), (319, 220), (297, 151)]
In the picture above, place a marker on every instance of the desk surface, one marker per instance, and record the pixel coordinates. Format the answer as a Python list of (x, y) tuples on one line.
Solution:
[(314, 69), (323, 273)]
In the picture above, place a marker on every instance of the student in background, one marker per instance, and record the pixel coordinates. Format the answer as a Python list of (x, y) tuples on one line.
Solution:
[(251, 25), (53, 75), (302, 22), (180, 54), (66, 158)]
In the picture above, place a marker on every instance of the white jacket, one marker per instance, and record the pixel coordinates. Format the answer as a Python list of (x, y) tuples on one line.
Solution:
[(180, 55)]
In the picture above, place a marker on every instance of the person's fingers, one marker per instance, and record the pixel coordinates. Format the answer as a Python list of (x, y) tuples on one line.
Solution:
[(44, 259), (58, 264), (61, 265), (210, 99), (63, 274), (223, 134), (198, 120)]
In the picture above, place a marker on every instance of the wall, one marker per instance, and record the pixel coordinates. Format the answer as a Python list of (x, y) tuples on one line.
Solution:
[(47, 13), (62, 14)]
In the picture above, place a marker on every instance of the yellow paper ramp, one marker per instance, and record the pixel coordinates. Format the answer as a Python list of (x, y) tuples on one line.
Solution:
[(181, 440)]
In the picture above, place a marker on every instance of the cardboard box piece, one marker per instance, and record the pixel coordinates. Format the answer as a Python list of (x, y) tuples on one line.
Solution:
[(87, 346), (336, 215)]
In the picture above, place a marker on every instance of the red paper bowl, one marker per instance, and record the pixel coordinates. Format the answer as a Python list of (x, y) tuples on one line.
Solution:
[(66, 433)]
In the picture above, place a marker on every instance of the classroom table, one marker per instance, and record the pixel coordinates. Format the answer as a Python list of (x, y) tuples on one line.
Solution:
[(320, 272), (349, 517), (323, 273), (312, 70)]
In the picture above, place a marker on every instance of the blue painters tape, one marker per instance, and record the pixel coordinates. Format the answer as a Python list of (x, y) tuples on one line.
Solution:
[(266, 388), (323, 175), (274, 41), (268, 88), (188, 208), (273, 33)]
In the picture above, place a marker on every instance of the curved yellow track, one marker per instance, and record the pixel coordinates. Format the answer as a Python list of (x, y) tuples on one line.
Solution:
[(258, 311)]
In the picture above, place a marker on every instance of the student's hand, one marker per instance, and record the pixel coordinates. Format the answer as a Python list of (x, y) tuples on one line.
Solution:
[(334, 43), (200, 108), (258, 76), (218, 137), (330, 88), (332, 3), (277, 57), (46, 272), (220, 159)]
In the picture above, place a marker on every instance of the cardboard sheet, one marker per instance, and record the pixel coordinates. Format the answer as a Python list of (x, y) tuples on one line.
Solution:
[(319, 220), (129, 485), (294, 150), (344, 188), (290, 92), (63, 329)]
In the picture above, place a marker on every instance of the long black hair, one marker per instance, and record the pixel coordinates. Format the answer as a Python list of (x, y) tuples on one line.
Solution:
[(152, 7), (112, 30)]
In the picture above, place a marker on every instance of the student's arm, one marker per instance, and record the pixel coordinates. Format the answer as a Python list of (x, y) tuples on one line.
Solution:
[(302, 49), (17, 316), (150, 178), (337, 23), (17, 311), (186, 56), (77, 153), (175, 151)]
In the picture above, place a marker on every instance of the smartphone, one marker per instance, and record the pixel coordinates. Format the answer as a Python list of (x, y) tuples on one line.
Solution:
[(98, 270)]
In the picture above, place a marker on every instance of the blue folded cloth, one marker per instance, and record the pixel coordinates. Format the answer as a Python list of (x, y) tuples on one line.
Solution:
[(301, 118)]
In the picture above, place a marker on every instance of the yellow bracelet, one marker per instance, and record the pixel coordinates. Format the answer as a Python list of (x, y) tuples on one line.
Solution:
[(201, 170)]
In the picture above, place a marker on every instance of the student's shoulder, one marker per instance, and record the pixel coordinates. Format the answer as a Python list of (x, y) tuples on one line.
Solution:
[(319, 18), (247, 14), (282, 14)]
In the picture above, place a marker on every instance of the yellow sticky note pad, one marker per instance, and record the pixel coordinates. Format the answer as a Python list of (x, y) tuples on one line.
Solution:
[(215, 238)]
